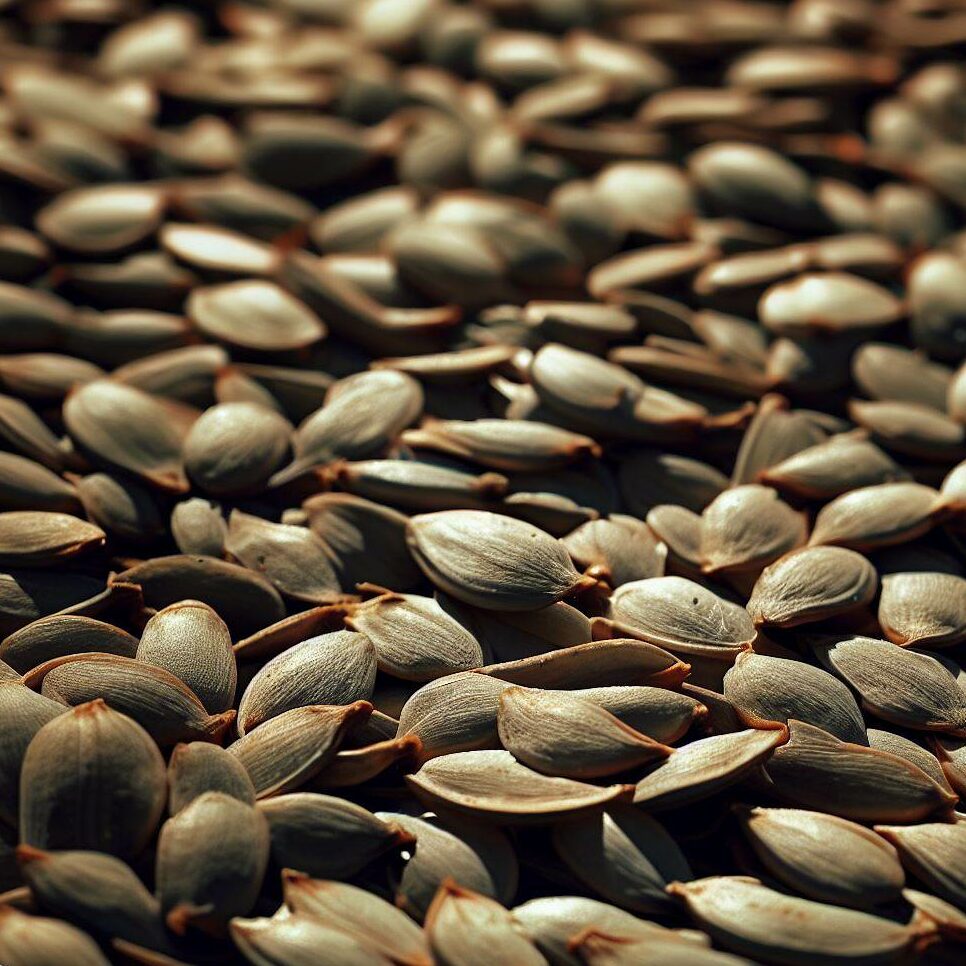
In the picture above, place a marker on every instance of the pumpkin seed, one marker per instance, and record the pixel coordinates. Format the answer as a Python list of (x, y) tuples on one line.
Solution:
[(62, 635), (200, 767), (617, 550), (923, 609), (36, 939), (40, 538)]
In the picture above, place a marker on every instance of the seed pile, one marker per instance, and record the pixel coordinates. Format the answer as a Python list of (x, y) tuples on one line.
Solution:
[(482, 483)]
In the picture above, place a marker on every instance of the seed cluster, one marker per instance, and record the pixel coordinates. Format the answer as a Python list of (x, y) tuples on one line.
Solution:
[(482, 483)]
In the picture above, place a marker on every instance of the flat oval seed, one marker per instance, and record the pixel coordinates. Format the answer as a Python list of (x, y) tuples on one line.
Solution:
[(911, 430), (559, 733), (816, 770), (211, 861), (682, 616), (903, 747), (414, 638), (492, 785), (245, 600), (360, 913), (514, 445), (327, 837), (649, 478), (749, 918), (935, 854), (124, 508), (28, 485), (197, 527), (478, 857), (659, 713), (39, 941), (876, 516), (288, 750), (923, 609), (292, 558), (62, 635), (705, 766), (200, 767), (32, 538), (811, 585), (235, 447), (597, 948), (623, 855), (616, 550), (904, 687), (776, 689), (824, 857), (295, 940), (91, 778), (97, 892), (883, 371), (336, 668), (746, 528), (492, 561), (132, 430), (254, 314), (950, 921)]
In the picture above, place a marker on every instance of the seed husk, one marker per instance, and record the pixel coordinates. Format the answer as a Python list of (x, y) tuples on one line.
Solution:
[(616, 550), (491, 784), (199, 767), (824, 857), (40, 940), (468, 928), (358, 765), (705, 766), (38, 538), (92, 779), (288, 750), (682, 616), (911, 430), (812, 584), (950, 921), (816, 770), (62, 635), (212, 857), (750, 918), (624, 855), (97, 892), (560, 733), (132, 430), (331, 669), (198, 527), (278, 637), (28, 485), (650, 477), (191, 641), (902, 686), (777, 689), (243, 599), (156, 699), (594, 665), (327, 837), (934, 854), (122, 507), (746, 528), (491, 561), (923, 609), (414, 638), (596, 948), (904, 747)]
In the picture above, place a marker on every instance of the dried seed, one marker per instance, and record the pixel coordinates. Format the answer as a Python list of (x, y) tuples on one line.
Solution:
[(91, 778), (62, 635), (132, 430), (747, 917), (198, 527), (883, 371), (327, 837), (461, 366), (245, 600), (272, 640), (903, 747), (200, 767), (559, 733), (811, 585), (331, 669), (38, 940), (911, 430), (650, 477), (950, 921), (122, 507), (492, 561), (682, 616), (658, 713), (705, 766), (776, 689), (235, 447), (358, 765), (623, 855), (617, 550), (209, 248), (41, 538), (288, 750), (746, 528), (28, 485), (934, 854), (679, 529), (157, 700), (97, 892), (824, 857), (45, 376), (191, 641), (816, 770), (490, 784), (904, 687), (596, 948), (414, 638), (839, 465), (211, 860), (466, 928), (923, 609)]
